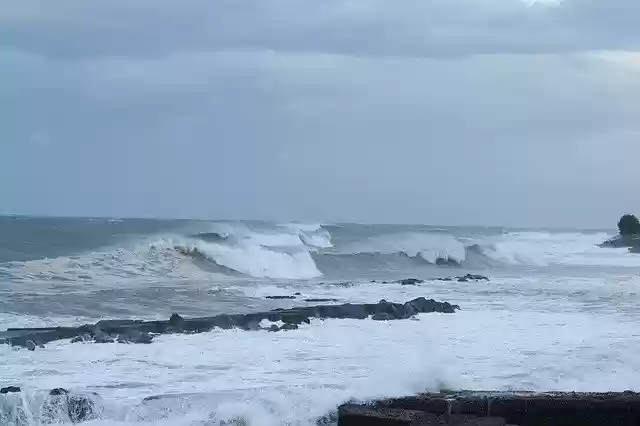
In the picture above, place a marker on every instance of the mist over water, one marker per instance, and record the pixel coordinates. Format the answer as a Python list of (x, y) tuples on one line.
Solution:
[(559, 313)]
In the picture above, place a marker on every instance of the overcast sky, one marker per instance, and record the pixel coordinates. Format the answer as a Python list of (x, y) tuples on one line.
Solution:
[(507, 112)]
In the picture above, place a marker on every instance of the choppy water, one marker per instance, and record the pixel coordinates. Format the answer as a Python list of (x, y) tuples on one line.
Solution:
[(559, 313)]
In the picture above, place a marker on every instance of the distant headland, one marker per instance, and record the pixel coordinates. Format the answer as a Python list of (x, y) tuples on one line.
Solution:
[(629, 234)]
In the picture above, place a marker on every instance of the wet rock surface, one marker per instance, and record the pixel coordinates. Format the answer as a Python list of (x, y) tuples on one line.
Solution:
[(462, 278), (497, 408), (143, 332), (10, 389), (59, 406), (632, 242)]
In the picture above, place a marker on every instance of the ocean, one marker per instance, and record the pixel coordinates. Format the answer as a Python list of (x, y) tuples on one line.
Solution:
[(558, 313)]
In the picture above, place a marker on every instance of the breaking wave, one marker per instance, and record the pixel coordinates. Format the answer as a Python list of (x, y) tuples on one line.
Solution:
[(306, 251), (434, 248), (438, 247)]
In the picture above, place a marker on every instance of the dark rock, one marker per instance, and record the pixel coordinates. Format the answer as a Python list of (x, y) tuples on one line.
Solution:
[(329, 419), (280, 297), (297, 294), (273, 328), (464, 278), (320, 300), (476, 277), (410, 281), (344, 284), (498, 409), (293, 318), (100, 336), (387, 311), (629, 225), (114, 326), (176, 321), (472, 277), (622, 241), (289, 326), (422, 305), (61, 403), (31, 345), (361, 415), (135, 337), (81, 408), (129, 331), (383, 316), (10, 389)]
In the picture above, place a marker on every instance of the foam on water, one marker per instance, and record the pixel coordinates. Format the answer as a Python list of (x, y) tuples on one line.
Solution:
[(294, 377), (545, 248)]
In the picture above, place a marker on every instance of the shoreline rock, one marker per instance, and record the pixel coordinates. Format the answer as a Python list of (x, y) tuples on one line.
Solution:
[(497, 408), (143, 332), (463, 278), (59, 405), (621, 241)]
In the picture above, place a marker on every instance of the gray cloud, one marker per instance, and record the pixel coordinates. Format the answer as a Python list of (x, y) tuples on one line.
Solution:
[(440, 112), (364, 27)]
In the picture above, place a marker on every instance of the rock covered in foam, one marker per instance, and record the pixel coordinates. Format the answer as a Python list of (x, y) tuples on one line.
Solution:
[(58, 406), (463, 278)]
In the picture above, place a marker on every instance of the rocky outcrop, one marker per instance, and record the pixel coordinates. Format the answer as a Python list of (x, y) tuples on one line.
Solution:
[(631, 242), (471, 277), (410, 281), (142, 332), (497, 408), (58, 406), (464, 278)]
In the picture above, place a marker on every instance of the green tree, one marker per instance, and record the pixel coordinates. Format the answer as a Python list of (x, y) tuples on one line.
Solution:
[(629, 225)]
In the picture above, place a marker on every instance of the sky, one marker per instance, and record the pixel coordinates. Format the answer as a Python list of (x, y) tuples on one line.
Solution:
[(451, 112)]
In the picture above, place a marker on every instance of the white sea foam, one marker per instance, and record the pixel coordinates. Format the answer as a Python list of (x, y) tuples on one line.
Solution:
[(546, 248), (258, 261), (293, 377)]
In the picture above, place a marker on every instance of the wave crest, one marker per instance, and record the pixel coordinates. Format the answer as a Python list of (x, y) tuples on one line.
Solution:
[(434, 248)]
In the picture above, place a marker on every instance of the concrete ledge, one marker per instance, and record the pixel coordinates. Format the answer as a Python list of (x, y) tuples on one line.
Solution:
[(498, 408)]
